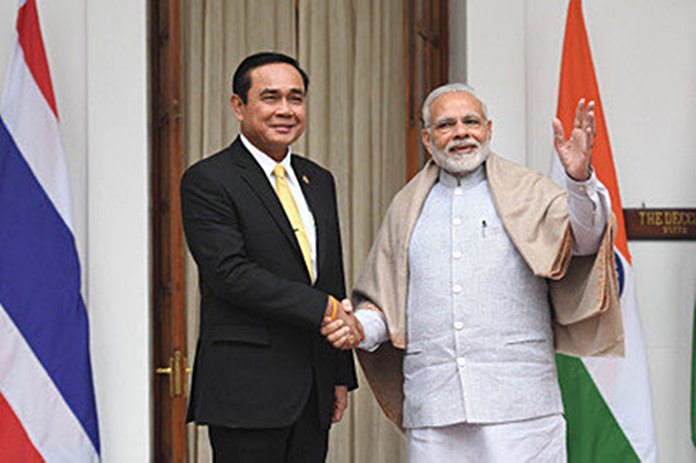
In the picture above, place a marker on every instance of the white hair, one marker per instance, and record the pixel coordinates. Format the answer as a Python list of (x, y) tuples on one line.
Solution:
[(455, 87)]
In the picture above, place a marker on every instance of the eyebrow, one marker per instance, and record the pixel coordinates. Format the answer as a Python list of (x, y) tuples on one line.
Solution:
[(449, 118), (275, 91)]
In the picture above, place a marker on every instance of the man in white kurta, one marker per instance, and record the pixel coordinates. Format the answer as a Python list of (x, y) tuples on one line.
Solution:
[(479, 376)]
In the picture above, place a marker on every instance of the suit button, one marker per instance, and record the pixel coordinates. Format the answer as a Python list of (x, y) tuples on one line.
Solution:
[(456, 221), (461, 361), (458, 325), (456, 289)]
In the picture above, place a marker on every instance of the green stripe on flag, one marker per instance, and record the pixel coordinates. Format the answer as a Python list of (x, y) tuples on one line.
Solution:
[(593, 433), (693, 381)]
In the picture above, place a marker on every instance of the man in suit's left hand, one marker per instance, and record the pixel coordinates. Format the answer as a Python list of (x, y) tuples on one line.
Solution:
[(340, 403)]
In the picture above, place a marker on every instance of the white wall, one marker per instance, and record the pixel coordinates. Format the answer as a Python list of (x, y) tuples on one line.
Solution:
[(118, 224), (495, 68), (97, 51), (645, 59)]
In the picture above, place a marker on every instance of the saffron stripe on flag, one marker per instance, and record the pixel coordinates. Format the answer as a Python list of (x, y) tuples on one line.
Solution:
[(577, 57)]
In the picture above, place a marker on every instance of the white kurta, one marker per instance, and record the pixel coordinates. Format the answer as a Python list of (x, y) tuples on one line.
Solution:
[(439, 322), (538, 440)]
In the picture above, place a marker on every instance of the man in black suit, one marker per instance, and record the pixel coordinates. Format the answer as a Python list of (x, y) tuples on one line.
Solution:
[(263, 229)]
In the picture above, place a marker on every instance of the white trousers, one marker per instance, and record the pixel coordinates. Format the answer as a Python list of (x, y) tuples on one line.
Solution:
[(538, 440)]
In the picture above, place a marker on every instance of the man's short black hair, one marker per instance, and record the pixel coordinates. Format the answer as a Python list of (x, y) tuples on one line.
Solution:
[(241, 81)]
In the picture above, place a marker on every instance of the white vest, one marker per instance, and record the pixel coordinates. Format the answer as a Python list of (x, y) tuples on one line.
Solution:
[(480, 344)]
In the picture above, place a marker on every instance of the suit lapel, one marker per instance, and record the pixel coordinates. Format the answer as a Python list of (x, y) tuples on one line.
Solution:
[(313, 191), (254, 176)]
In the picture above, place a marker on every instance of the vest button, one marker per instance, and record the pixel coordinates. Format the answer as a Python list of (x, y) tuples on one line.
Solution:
[(461, 361), (458, 325), (456, 221), (456, 289)]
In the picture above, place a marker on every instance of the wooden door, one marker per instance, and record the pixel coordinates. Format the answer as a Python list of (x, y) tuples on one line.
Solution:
[(170, 367)]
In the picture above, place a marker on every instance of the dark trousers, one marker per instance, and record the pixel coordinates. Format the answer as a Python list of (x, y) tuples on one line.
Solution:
[(305, 441)]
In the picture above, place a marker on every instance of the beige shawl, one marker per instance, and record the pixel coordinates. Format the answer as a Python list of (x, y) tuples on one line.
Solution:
[(533, 210)]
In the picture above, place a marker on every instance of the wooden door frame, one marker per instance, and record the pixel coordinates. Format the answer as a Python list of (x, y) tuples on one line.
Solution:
[(168, 295), (431, 35)]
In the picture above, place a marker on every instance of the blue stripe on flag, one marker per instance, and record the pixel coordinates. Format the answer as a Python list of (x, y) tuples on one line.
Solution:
[(619, 271), (40, 283)]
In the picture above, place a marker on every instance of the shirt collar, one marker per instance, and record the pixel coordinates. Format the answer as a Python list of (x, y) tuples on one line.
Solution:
[(267, 163), (465, 181)]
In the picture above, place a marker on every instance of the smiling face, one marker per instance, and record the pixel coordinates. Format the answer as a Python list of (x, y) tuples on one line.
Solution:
[(457, 135), (274, 115)]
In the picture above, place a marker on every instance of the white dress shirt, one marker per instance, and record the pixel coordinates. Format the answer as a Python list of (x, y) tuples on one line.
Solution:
[(267, 164)]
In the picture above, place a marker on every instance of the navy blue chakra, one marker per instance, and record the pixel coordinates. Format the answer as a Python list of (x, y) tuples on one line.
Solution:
[(619, 271)]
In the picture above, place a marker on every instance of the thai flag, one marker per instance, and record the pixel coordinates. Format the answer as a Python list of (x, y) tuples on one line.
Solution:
[(47, 407)]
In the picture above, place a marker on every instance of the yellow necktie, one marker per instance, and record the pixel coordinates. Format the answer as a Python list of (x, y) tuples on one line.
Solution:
[(283, 191)]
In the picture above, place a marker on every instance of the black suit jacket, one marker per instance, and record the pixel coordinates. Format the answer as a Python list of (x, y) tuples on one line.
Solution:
[(259, 348)]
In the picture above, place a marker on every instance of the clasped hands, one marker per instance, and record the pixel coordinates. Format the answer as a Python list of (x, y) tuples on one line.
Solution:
[(340, 326)]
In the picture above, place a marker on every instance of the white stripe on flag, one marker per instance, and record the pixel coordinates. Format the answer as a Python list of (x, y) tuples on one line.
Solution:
[(624, 382), (48, 421)]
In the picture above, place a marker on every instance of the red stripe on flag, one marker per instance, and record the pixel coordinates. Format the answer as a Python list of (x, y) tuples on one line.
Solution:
[(578, 80), (14, 441), (34, 52)]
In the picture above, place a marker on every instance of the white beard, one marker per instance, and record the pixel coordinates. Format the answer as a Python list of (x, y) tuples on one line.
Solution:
[(459, 165)]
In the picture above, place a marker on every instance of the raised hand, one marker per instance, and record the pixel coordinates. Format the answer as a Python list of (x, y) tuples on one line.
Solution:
[(340, 326), (575, 152)]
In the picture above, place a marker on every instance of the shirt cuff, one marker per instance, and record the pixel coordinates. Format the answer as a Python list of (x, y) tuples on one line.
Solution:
[(586, 188), (374, 327)]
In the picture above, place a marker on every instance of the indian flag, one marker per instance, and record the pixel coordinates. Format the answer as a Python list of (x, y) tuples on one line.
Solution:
[(607, 401)]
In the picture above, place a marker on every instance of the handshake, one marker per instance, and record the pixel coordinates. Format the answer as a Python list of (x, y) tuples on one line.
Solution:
[(340, 326)]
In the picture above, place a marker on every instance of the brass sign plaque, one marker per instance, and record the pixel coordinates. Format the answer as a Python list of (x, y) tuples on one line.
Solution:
[(660, 224)]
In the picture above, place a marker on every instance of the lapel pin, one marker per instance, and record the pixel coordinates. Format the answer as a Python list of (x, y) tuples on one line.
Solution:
[(305, 179)]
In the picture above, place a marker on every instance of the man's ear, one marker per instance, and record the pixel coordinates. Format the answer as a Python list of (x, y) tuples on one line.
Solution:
[(425, 136), (238, 107), (489, 124)]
